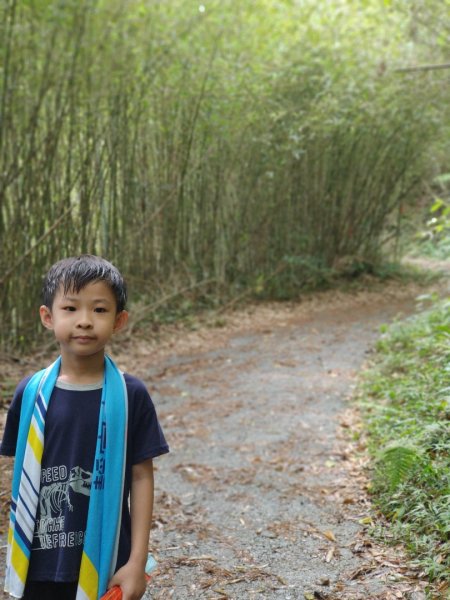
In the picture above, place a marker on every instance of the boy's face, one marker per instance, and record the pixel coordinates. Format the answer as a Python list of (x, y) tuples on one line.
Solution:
[(84, 321)]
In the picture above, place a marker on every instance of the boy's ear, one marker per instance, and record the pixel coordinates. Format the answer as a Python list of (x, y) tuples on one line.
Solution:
[(46, 316), (121, 320)]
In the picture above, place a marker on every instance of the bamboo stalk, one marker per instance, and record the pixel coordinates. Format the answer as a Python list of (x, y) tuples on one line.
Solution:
[(436, 67), (31, 249)]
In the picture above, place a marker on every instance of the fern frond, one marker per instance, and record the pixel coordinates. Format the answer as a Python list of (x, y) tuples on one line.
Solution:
[(396, 464)]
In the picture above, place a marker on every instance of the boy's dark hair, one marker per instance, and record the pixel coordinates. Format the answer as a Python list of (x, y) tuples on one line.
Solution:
[(74, 273)]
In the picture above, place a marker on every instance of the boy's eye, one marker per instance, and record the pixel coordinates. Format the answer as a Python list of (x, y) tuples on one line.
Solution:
[(69, 308), (99, 309)]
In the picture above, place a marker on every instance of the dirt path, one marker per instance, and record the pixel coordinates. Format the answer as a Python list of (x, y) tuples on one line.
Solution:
[(262, 495), (258, 498)]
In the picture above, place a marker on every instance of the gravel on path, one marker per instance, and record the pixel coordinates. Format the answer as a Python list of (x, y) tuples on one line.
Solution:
[(258, 497), (263, 494)]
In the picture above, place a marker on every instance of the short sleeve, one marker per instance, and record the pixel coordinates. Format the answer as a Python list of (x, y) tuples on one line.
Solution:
[(9, 441), (145, 436)]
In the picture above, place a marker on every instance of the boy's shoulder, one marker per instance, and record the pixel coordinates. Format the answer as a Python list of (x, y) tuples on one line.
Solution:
[(23, 383), (134, 384), (16, 402), (137, 390)]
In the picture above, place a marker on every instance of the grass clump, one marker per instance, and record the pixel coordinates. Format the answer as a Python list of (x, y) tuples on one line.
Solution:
[(406, 407)]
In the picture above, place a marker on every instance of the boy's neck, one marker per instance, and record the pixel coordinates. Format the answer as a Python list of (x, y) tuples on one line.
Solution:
[(83, 370)]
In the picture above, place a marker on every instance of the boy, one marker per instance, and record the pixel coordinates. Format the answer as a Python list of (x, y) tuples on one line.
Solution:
[(73, 531)]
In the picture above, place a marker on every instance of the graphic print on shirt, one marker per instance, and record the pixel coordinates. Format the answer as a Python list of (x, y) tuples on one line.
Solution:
[(55, 497)]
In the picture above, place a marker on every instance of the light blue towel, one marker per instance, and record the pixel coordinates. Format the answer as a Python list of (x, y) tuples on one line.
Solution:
[(108, 474)]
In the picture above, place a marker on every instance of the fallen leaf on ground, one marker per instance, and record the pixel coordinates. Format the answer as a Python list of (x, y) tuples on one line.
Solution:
[(329, 535)]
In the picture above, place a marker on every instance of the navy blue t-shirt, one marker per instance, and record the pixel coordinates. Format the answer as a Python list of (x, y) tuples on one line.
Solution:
[(66, 471)]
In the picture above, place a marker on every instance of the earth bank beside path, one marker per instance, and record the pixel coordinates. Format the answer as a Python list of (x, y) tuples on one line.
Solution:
[(262, 495)]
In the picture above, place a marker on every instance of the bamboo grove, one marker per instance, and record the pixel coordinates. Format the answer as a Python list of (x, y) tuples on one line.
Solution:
[(212, 147)]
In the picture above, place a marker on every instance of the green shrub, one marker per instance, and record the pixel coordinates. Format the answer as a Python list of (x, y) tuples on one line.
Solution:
[(406, 406)]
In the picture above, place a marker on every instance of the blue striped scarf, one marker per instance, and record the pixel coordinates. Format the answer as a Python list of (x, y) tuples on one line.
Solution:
[(105, 502)]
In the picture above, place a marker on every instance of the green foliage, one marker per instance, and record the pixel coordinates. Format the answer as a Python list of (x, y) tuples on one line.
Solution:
[(406, 404), (199, 145), (434, 239), (396, 464)]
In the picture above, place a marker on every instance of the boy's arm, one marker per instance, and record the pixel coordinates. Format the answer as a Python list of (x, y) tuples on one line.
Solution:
[(131, 577)]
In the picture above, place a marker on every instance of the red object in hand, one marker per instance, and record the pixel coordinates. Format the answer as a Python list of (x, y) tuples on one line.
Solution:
[(115, 593)]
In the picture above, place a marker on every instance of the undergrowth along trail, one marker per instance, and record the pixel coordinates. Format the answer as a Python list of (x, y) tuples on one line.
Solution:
[(405, 403)]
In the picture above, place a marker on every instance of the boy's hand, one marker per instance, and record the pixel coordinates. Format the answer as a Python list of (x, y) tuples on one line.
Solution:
[(131, 579)]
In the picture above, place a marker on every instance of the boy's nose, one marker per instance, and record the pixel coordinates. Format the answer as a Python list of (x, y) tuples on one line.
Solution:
[(84, 321)]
